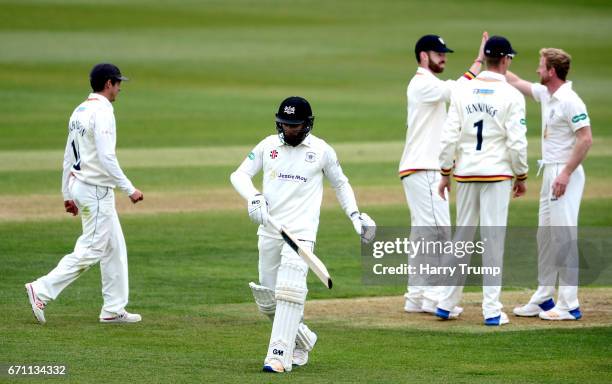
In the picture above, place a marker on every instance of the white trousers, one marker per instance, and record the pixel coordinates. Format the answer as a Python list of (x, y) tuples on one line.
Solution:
[(102, 241), (557, 239), (428, 212), (487, 204)]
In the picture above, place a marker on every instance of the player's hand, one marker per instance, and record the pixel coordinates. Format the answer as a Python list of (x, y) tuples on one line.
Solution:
[(258, 209), (519, 188), (444, 184), (485, 37), (136, 196), (364, 226), (71, 207), (560, 184)]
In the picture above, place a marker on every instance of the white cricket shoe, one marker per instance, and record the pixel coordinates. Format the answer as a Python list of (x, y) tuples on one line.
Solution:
[(273, 365), (38, 307), (124, 317), (527, 310), (444, 314), (412, 307), (428, 306), (559, 314), (530, 310), (497, 320), (300, 355), (456, 312)]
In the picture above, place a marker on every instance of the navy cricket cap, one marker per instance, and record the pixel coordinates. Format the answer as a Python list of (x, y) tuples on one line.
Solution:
[(294, 110), (498, 46), (105, 71), (430, 43)]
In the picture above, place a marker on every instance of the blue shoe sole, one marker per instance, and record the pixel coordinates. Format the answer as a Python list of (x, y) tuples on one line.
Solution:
[(576, 313), (443, 314), (493, 321)]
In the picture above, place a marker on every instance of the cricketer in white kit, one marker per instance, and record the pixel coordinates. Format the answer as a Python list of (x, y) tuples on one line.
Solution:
[(566, 139), (91, 172), (294, 163), (419, 170), (484, 134)]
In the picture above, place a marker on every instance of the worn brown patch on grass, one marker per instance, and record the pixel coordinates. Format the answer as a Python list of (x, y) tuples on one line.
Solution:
[(387, 312)]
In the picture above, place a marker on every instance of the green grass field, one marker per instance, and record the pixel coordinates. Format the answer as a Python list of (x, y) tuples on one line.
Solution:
[(206, 78)]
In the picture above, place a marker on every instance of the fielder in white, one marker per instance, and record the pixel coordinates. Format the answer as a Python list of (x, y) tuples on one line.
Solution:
[(484, 134), (566, 139), (419, 169), (294, 163), (91, 172)]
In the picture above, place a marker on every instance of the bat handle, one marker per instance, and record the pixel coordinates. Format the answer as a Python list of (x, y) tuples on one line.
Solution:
[(275, 224)]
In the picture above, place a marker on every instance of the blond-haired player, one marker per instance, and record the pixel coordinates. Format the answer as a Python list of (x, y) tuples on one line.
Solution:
[(566, 139)]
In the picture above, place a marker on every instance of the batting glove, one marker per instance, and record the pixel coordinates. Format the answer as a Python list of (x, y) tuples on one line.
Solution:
[(364, 226), (258, 209)]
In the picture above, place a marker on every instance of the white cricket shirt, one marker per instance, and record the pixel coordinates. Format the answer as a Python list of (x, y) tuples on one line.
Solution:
[(426, 111), (90, 148), (563, 113), (293, 182), (484, 132)]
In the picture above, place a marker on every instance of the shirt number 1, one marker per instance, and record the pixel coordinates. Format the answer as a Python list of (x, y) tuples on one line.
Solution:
[(478, 126)]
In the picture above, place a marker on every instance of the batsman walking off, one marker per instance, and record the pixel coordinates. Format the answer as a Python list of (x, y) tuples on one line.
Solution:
[(484, 135), (566, 139), (91, 172), (294, 163), (419, 168)]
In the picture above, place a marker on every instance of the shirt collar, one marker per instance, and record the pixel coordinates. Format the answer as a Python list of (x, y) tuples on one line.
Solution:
[(492, 75), (99, 97), (564, 89), (424, 71)]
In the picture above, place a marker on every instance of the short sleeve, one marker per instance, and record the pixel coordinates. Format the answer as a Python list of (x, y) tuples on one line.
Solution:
[(576, 114), (538, 91), (436, 91)]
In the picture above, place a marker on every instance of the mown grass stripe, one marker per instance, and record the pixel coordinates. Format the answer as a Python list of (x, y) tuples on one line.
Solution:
[(349, 153)]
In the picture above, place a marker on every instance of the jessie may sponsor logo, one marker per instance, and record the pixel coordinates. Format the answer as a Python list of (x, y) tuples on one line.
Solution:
[(288, 177)]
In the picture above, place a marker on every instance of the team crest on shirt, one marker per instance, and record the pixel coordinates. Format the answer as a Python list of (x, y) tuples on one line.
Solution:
[(273, 154), (311, 157)]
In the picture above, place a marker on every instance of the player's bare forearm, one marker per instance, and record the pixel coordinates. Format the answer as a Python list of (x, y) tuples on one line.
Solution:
[(477, 65), (522, 85), (584, 141)]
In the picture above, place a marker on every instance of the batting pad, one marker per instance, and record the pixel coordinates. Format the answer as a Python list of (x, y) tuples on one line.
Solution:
[(264, 298), (290, 296), (305, 338)]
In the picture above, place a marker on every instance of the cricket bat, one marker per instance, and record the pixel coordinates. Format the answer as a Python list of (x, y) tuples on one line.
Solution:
[(315, 264)]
